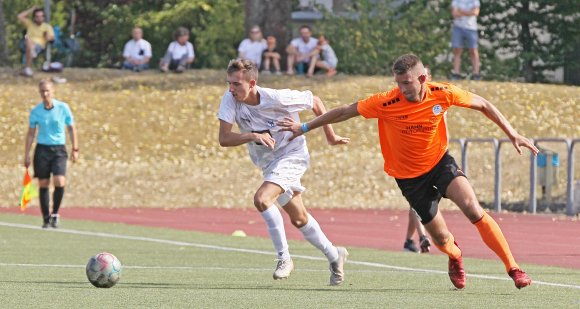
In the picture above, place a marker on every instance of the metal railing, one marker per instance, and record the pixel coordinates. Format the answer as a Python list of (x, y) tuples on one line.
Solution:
[(570, 143)]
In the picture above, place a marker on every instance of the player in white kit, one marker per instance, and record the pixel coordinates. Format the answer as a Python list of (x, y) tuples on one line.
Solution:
[(256, 111)]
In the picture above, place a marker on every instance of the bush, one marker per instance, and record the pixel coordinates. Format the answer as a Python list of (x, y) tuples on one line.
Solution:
[(374, 33), (105, 27)]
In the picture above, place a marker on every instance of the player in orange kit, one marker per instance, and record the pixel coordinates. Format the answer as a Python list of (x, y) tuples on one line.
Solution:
[(414, 142)]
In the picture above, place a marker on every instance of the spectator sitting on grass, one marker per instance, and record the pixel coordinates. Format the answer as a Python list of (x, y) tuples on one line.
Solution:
[(180, 53), (299, 51), (38, 35), (137, 52), (271, 55), (252, 48), (327, 62)]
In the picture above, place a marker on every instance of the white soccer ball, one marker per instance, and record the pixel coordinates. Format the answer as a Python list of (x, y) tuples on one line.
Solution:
[(104, 270)]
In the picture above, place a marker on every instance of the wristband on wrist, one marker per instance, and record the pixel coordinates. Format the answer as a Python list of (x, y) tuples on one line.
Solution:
[(304, 127)]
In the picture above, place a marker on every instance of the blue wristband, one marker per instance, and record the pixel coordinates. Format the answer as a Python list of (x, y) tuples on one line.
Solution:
[(304, 127)]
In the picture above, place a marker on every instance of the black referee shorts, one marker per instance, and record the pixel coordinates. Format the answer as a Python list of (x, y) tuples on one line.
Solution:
[(49, 159), (424, 192)]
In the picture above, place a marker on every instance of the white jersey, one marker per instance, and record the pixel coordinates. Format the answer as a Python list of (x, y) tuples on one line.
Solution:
[(274, 106)]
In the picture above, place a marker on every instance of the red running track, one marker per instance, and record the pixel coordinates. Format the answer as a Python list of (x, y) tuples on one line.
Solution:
[(537, 239)]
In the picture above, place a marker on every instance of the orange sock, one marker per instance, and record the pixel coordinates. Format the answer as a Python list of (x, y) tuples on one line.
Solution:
[(450, 248), (494, 239)]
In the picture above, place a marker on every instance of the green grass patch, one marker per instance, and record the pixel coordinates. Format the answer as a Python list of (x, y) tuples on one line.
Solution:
[(210, 278)]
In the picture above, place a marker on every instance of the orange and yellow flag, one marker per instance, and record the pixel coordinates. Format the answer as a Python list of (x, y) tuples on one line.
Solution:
[(28, 191)]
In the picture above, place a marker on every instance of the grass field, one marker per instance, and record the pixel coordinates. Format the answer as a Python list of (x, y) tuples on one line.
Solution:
[(177, 269), (138, 129)]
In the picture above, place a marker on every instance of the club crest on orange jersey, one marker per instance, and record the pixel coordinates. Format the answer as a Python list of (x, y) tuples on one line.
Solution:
[(437, 109)]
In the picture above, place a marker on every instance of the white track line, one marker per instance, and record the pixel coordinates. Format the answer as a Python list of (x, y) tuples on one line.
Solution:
[(230, 249), (174, 268)]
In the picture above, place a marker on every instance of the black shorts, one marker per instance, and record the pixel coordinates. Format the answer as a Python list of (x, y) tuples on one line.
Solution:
[(424, 192), (49, 160)]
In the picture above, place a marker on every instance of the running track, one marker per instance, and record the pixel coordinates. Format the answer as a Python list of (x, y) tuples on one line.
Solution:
[(537, 239)]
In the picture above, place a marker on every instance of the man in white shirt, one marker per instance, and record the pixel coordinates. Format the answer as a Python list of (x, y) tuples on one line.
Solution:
[(465, 14), (253, 47), (300, 50), (256, 111), (137, 52)]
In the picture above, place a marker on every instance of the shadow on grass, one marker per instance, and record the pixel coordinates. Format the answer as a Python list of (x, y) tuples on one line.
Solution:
[(47, 282)]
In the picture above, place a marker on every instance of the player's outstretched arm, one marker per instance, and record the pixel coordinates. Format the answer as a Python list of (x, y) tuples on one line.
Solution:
[(332, 139), (335, 115), (228, 138), (491, 112)]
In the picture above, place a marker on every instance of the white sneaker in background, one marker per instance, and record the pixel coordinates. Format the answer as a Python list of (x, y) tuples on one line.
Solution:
[(27, 72)]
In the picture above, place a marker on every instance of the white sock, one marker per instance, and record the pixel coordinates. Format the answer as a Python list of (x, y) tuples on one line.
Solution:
[(313, 233), (275, 224)]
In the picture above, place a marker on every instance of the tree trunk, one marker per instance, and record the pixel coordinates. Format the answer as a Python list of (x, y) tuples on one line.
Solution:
[(3, 45), (527, 45), (273, 16)]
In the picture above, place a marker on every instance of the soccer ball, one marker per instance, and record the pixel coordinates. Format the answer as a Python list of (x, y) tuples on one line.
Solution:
[(104, 270)]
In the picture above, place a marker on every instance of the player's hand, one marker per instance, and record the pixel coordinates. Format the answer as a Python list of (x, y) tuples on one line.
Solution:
[(265, 139), (27, 161), (75, 156), (338, 140), (290, 125), (519, 141)]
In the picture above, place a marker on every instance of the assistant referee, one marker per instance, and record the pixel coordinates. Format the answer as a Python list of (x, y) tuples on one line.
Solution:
[(50, 155)]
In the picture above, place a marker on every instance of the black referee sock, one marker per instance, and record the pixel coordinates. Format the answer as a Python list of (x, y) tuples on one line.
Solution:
[(57, 198), (44, 203)]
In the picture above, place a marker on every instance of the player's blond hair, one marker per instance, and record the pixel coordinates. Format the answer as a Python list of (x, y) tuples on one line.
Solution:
[(247, 67), (45, 82)]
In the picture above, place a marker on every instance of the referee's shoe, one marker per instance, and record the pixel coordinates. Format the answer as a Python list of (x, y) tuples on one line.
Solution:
[(54, 218)]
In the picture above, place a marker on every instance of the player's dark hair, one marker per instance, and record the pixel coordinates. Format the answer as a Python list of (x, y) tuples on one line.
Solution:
[(36, 11), (305, 27), (404, 63), (248, 68), (181, 31)]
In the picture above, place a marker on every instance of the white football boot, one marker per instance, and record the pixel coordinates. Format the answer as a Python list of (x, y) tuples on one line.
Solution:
[(283, 269), (337, 267)]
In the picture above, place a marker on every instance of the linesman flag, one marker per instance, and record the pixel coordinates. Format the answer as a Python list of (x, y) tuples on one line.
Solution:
[(28, 191)]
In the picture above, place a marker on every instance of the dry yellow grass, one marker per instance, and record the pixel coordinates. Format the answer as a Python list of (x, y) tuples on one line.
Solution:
[(151, 140)]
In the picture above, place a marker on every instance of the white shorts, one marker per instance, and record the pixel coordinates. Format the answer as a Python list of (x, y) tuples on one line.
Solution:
[(287, 172)]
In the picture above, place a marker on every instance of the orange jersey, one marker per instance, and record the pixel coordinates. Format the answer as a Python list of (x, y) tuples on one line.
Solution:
[(413, 134)]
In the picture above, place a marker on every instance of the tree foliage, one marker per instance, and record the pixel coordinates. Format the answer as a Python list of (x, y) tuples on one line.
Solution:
[(105, 27), (3, 46), (374, 33), (527, 37)]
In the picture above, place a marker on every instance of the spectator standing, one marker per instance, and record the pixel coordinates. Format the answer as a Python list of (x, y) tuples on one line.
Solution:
[(465, 14)]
